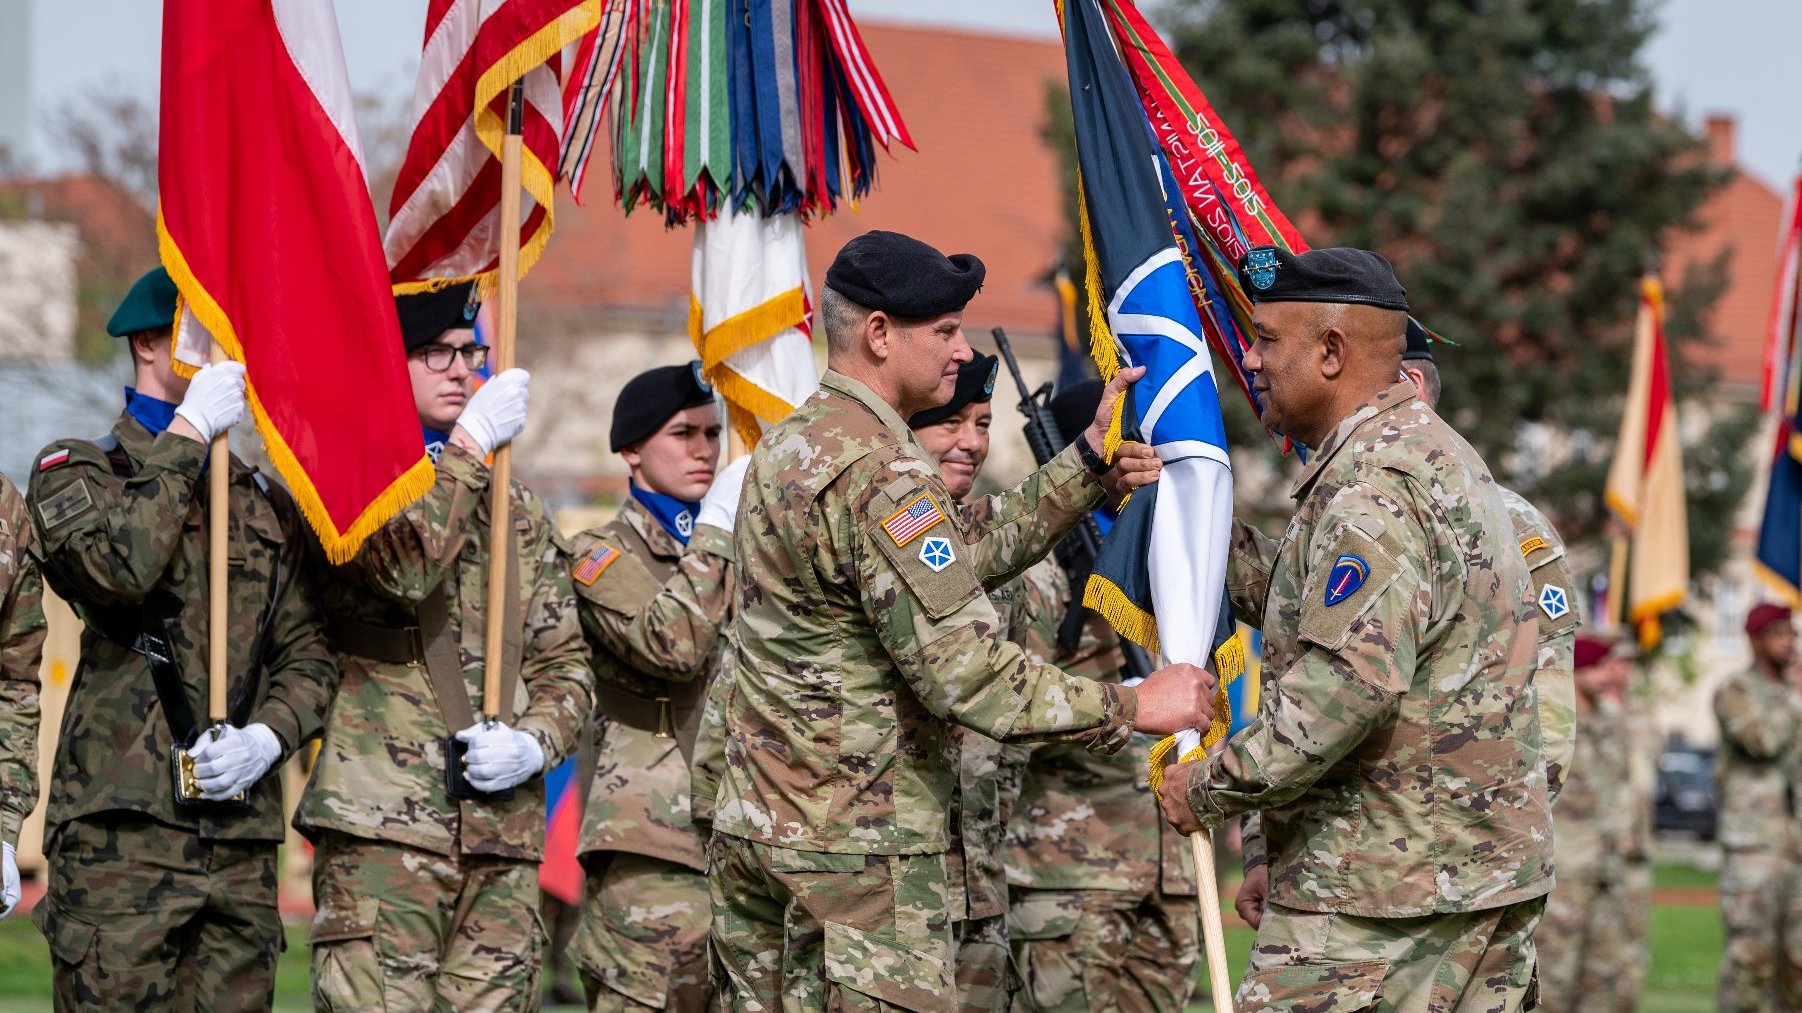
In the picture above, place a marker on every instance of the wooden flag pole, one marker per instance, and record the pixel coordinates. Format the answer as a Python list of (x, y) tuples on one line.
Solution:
[(1213, 940), (500, 523), (218, 506)]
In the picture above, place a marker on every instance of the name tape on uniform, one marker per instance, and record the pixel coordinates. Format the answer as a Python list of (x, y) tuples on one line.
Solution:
[(912, 520)]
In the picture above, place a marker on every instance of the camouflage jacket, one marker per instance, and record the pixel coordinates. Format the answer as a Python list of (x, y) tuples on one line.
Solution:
[(111, 546), (988, 772), (864, 631), (380, 772), (652, 610), (1759, 767), (1595, 816), (1560, 615), (21, 647), (1088, 822), (1396, 754)]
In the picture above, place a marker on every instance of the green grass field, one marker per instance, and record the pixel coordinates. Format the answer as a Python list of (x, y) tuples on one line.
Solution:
[(1686, 950)]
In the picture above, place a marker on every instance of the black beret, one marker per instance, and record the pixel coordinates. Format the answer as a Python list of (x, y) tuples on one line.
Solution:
[(1420, 346), (975, 385), (424, 316), (149, 306), (903, 277), (650, 398), (1075, 406), (1337, 275)]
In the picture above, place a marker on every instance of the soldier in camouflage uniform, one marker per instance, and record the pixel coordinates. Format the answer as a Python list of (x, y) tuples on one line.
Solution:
[(863, 633), (426, 901), (654, 586), (153, 903), (1759, 771), (1396, 756), (1103, 913), (956, 437), (1582, 943), (21, 647)]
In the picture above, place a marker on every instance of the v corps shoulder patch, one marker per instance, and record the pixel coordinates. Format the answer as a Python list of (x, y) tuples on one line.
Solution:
[(912, 520), (590, 567)]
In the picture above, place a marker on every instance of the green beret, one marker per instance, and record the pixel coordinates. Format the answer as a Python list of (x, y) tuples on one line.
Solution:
[(149, 306)]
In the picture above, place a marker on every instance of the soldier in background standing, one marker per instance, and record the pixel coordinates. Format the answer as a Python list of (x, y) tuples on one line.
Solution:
[(21, 647), (1759, 770), (1583, 943), (1103, 913), (149, 899), (653, 586), (426, 901), (956, 436)]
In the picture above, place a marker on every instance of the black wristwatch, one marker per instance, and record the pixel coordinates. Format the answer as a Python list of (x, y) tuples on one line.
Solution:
[(1090, 459)]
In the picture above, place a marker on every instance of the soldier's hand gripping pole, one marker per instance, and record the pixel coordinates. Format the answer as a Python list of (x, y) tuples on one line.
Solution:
[(500, 530)]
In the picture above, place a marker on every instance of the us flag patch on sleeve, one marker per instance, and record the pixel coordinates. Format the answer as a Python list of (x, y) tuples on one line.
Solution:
[(594, 564), (907, 523)]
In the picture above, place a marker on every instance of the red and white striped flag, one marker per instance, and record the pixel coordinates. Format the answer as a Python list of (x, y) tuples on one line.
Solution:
[(266, 226), (444, 217)]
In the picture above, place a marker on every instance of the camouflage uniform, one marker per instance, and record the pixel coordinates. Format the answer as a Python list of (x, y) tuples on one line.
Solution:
[(149, 901), (1560, 615), (862, 633), (1396, 756), (1759, 772), (424, 901), (988, 785), (1104, 914), (21, 646), (652, 614), (1583, 943)]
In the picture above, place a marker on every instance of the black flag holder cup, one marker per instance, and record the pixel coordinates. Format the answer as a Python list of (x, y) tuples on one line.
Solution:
[(456, 751)]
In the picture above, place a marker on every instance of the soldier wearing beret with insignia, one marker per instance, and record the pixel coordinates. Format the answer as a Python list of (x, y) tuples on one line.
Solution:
[(1396, 756), (426, 875), (654, 585), (864, 633), (956, 436), (151, 898)]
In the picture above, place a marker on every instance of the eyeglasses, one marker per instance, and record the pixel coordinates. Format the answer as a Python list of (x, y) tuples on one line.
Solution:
[(438, 357)]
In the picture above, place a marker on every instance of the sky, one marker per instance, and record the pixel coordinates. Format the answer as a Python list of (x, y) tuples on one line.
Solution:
[(1732, 56)]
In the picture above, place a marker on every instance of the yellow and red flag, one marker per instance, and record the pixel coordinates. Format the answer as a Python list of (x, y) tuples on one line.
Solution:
[(267, 227), (1645, 483)]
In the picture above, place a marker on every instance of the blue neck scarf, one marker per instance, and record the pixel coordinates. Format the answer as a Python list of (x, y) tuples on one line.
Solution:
[(434, 442), (152, 413), (675, 516)]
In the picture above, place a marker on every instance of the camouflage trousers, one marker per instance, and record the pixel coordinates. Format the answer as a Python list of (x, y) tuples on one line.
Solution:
[(1588, 953), (142, 915), (1103, 950), (810, 931), (981, 971), (401, 929), (1469, 962), (642, 941), (1761, 906)]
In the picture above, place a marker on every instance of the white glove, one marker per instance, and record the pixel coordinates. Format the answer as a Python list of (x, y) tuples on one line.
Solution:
[(235, 760), (720, 506), (497, 412), (499, 757), (9, 892), (215, 399)]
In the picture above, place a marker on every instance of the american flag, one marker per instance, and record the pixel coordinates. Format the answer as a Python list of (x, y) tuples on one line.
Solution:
[(444, 215), (907, 523), (592, 565)]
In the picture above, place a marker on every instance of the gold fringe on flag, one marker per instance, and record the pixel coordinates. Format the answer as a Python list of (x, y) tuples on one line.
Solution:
[(1102, 346)]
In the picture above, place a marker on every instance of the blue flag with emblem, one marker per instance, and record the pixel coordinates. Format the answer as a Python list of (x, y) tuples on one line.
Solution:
[(1166, 555)]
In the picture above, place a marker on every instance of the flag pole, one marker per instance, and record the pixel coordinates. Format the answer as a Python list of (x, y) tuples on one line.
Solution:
[(1213, 939), (500, 541), (218, 555)]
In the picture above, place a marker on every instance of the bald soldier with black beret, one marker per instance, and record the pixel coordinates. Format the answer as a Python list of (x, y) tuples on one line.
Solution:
[(1396, 754), (864, 635)]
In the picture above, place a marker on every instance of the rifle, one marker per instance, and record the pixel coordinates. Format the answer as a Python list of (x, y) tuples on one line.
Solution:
[(1077, 551)]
